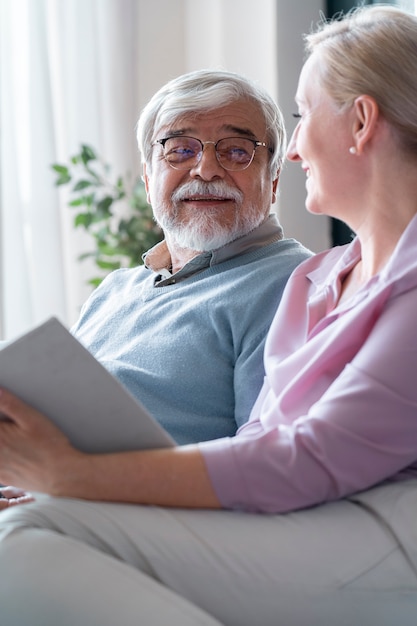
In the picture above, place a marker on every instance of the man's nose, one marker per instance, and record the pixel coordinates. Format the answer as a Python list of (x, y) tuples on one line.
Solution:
[(208, 166)]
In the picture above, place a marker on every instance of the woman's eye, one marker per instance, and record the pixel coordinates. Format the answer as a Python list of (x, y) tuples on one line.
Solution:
[(296, 115)]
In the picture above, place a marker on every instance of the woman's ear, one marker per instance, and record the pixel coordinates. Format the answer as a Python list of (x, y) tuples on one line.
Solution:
[(367, 114)]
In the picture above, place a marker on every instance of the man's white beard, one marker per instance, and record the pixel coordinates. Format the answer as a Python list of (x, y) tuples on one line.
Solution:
[(203, 232)]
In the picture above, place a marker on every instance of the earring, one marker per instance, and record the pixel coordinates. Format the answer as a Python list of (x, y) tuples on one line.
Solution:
[(352, 150)]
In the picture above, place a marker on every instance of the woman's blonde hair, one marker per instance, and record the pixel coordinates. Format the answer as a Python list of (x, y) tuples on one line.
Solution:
[(372, 50)]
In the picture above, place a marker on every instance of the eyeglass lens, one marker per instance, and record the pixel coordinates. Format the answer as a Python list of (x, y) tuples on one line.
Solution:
[(233, 153)]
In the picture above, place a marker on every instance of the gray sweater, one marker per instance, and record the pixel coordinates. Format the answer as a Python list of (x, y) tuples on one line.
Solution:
[(192, 351)]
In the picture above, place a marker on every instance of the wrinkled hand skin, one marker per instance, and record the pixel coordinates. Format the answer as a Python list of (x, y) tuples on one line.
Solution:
[(11, 496)]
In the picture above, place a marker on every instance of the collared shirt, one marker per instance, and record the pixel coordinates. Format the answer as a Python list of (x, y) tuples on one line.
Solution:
[(338, 410), (158, 258)]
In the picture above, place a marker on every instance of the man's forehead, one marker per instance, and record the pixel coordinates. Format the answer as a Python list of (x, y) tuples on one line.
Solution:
[(241, 118)]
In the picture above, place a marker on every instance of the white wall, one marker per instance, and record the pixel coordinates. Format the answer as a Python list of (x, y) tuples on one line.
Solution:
[(294, 18), (177, 36), (259, 38)]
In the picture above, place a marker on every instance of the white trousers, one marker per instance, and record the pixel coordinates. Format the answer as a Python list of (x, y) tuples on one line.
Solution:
[(66, 562)]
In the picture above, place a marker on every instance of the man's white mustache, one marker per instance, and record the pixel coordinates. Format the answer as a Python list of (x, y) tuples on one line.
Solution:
[(217, 189)]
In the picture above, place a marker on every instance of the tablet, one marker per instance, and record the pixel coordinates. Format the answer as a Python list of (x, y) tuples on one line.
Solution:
[(49, 369)]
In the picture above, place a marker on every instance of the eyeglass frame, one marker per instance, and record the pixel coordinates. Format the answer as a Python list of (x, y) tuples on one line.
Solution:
[(256, 144)]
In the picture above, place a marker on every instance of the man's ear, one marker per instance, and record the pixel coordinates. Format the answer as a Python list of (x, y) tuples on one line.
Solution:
[(367, 114), (275, 187), (145, 179)]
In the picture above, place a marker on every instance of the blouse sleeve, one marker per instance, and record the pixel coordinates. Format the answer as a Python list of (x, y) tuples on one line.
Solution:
[(361, 431)]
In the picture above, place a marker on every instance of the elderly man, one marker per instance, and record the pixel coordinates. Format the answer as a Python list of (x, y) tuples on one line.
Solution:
[(185, 333)]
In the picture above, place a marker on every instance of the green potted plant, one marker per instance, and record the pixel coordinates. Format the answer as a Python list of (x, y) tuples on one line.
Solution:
[(120, 240)]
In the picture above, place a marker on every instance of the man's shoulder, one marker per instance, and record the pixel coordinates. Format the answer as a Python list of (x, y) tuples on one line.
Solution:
[(263, 270), (125, 275), (280, 254), (291, 246)]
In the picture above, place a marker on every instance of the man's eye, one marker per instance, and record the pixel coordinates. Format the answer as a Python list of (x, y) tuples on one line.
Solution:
[(237, 152), (181, 151), (184, 150)]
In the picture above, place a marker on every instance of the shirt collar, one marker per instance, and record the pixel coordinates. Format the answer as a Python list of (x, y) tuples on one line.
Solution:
[(400, 271)]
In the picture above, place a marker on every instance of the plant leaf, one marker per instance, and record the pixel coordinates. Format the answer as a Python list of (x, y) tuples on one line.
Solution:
[(87, 154), (103, 208), (62, 180), (82, 184), (83, 219), (117, 241), (61, 169), (108, 265), (95, 282)]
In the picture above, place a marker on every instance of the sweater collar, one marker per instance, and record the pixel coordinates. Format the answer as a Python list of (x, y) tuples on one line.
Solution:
[(158, 258)]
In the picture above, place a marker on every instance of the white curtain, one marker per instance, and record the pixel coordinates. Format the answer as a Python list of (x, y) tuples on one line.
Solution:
[(79, 71), (67, 75)]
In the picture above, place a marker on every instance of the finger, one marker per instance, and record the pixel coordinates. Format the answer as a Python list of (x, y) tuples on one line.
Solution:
[(23, 500), (6, 504), (11, 406), (14, 410), (12, 492)]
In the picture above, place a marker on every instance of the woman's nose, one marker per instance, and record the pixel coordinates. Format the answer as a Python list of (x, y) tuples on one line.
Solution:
[(292, 153)]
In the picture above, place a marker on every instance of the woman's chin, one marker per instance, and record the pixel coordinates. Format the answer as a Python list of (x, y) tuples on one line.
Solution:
[(314, 208)]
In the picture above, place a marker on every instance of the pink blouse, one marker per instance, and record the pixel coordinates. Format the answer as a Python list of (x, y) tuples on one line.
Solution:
[(338, 409)]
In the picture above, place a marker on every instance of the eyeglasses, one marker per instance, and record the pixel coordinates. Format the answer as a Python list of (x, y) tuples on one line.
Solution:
[(233, 153)]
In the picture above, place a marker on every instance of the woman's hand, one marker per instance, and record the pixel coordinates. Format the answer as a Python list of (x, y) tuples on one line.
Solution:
[(11, 496), (37, 456), (33, 451)]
